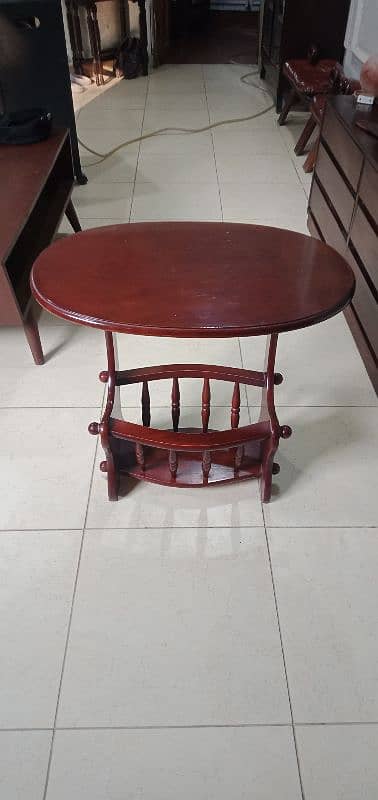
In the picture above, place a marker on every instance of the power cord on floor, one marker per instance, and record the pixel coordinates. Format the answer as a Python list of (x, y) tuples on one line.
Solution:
[(103, 156)]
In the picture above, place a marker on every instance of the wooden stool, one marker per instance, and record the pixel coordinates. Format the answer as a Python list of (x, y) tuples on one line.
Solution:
[(317, 108), (74, 27), (306, 80)]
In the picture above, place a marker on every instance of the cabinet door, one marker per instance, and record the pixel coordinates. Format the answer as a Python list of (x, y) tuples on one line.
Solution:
[(277, 31), (268, 26)]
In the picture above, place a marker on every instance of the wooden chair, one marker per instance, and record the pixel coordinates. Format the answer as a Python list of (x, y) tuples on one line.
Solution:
[(342, 85), (307, 78), (90, 6)]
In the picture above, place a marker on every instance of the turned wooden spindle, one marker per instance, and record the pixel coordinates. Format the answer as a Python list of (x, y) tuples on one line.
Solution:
[(146, 405), (239, 454), (206, 465), (172, 458), (235, 407), (205, 405), (175, 404), (139, 452)]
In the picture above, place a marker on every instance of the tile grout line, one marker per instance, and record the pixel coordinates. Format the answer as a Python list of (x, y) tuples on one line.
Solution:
[(213, 146), (147, 528), (139, 148), (44, 796), (195, 726), (283, 659)]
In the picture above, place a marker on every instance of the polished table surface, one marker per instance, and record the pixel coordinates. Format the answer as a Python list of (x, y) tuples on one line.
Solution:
[(192, 279)]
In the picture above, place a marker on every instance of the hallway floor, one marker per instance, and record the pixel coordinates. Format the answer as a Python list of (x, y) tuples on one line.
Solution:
[(186, 644)]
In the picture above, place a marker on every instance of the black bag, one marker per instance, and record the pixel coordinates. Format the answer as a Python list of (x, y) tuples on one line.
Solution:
[(129, 59), (25, 127)]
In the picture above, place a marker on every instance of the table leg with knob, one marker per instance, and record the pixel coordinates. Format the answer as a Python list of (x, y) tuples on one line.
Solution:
[(268, 414), (112, 408)]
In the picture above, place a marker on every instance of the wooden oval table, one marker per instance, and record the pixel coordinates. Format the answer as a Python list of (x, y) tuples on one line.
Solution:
[(191, 280)]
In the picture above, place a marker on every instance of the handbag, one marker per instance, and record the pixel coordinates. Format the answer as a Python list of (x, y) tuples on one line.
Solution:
[(25, 127), (129, 59)]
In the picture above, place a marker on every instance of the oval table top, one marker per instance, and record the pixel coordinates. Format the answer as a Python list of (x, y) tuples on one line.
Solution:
[(205, 279)]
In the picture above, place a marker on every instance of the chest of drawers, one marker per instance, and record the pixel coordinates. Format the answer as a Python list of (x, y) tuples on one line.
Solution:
[(343, 211)]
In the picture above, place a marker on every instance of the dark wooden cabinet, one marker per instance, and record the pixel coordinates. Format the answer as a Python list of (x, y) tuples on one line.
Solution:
[(34, 66), (36, 183), (188, 14), (343, 209), (291, 26)]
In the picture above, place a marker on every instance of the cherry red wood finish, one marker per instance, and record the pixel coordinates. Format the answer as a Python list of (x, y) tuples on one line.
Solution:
[(342, 210), (175, 403), (190, 279), (36, 182), (206, 398)]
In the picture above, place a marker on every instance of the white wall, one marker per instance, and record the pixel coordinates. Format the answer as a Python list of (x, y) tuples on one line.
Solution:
[(361, 38)]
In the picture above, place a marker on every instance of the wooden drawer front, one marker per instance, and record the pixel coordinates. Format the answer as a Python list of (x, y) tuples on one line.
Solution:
[(365, 241), (335, 187), (345, 151), (369, 190), (365, 306), (312, 227), (325, 220)]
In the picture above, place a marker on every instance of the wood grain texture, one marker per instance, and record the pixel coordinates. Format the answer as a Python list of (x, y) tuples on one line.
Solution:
[(343, 212), (192, 279)]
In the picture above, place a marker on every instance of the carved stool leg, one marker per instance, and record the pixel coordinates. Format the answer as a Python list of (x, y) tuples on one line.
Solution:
[(143, 35), (92, 39), (289, 102), (77, 45), (309, 164), (97, 45), (304, 137)]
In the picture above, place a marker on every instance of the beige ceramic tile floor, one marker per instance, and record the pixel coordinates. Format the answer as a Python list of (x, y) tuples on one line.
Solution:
[(188, 644)]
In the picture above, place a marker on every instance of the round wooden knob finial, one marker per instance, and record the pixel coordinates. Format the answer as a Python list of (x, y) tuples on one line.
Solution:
[(276, 469), (104, 466), (286, 431), (94, 428), (278, 378), (103, 376)]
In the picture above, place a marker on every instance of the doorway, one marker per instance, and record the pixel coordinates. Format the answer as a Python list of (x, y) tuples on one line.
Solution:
[(213, 32)]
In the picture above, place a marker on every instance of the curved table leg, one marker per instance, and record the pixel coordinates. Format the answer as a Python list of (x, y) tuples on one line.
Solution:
[(268, 414), (112, 408)]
